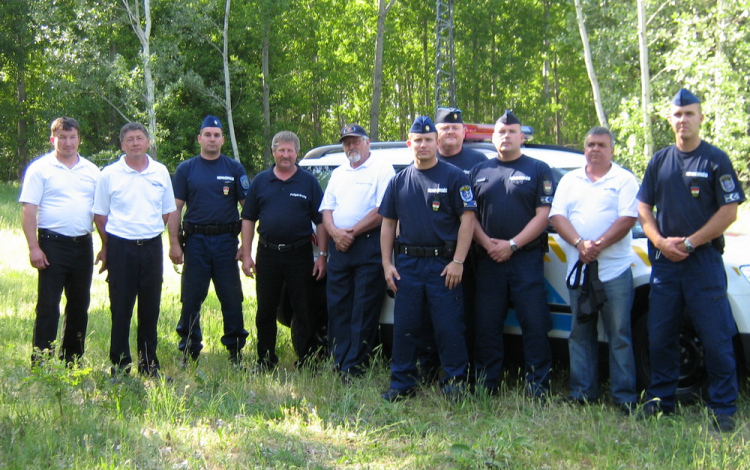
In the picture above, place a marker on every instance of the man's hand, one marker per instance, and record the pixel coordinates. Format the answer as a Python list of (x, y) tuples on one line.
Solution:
[(499, 250), (453, 273), (102, 256), (343, 238), (248, 266), (38, 258), (673, 248), (319, 268), (588, 250), (391, 276), (175, 254)]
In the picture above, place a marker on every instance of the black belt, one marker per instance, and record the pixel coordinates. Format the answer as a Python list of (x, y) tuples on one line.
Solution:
[(445, 251), (210, 229), (139, 242), (50, 235), (369, 233), (284, 247)]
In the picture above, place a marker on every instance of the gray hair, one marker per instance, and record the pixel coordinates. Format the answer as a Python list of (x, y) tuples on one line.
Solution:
[(133, 126), (599, 130), (285, 136)]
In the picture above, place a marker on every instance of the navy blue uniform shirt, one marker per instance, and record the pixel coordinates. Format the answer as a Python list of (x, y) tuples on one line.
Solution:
[(428, 204), (211, 189), (465, 159), (284, 208), (688, 188), (508, 194)]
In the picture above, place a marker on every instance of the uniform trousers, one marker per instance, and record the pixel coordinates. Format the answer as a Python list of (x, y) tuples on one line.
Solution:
[(519, 280), (694, 289), (71, 264), (207, 258), (422, 297), (135, 271), (274, 268), (355, 291)]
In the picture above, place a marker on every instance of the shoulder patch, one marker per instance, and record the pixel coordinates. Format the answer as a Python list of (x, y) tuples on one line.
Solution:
[(727, 183), (547, 187), (245, 181), (466, 194), (729, 198)]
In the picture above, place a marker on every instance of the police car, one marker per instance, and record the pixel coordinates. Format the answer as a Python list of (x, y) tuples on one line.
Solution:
[(693, 379)]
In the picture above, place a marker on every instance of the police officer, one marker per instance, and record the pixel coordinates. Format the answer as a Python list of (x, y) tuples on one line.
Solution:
[(211, 185), (514, 193), (57, 196), (696, 193), (432, 203), (284, 200), (355, 286)]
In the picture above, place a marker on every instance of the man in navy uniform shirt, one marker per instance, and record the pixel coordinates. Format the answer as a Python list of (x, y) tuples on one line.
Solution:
[(432, 203), (514, 194), (696, 193), (211, 184), (284, 200), (451, 131)]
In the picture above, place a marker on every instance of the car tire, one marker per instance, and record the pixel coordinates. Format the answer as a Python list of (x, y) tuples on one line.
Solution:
[(693, 382)]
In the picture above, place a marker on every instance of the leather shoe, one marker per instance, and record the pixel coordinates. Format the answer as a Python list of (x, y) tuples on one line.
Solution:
[(392, 395), (724, 423)]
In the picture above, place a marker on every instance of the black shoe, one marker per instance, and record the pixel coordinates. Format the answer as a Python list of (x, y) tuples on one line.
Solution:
[(392, 395), (159, 376), (574, 401), (628, 408), (189, 359), (263, 367), (652, 410), (724, 423)]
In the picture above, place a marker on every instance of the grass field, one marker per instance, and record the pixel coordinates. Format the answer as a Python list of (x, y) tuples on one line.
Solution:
[(214, 417)]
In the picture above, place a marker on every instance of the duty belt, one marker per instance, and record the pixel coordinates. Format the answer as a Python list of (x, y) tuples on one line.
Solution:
[(284, 247), (445, 251), (211, 229), (139, 242), (50, 235)]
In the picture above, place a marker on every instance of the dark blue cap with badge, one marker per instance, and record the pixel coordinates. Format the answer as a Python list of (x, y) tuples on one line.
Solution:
[(448, 116), (352, 130), (422, 125), (684, 98), (211, 121), (509, 118)]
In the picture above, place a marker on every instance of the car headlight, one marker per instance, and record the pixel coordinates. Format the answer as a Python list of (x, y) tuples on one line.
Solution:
[(745, 270)]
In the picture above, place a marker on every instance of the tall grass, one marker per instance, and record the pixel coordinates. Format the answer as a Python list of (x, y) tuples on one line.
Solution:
[(214, 416)]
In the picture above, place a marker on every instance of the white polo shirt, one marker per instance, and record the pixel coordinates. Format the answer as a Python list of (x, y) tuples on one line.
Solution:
[(64, 196), (134, 202), (592, 207), (353, 192)]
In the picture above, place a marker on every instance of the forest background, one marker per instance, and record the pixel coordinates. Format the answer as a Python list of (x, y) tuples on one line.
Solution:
[(310, 66)]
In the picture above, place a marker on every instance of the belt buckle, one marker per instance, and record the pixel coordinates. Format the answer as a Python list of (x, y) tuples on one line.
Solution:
[(281, 246), (406, 250), (140, 242), (436, 251)]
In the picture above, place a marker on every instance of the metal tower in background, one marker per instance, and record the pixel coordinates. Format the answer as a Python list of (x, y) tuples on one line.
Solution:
[(445, 71)]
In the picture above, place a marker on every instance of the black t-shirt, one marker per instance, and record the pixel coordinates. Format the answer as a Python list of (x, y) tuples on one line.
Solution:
[(688, 188), (465, 159), (211, 189), (428, 204), (508, 194), (284, 209)]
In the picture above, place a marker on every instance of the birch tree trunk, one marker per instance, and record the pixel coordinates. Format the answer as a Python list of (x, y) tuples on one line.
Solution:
[(227, 89), (144, 36), (377, 73), (648, 140), (590, 65)]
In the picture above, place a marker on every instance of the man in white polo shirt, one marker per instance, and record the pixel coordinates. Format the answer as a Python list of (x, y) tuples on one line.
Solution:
[(57, 196), (594, 209), (133, 201), (356, 284)]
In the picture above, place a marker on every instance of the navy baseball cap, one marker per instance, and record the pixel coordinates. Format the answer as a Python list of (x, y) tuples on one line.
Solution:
[(211, 121), (684, 98), (448, 116), (422, 125), (509, 118), (352, 130)]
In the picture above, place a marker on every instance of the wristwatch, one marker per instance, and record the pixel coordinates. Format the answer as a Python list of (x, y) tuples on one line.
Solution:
[(513, 246), (323, 253), (688, 246)]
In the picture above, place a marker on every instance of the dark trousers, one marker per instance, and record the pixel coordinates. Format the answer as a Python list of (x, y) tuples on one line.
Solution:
[(355, 292), (520, 280), (273, 269), (70, 269), (695, 288), (423, 298), (207, 258), (135, 271)]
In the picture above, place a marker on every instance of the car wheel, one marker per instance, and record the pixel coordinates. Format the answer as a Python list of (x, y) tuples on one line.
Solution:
[(693, 382)]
